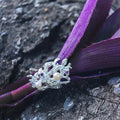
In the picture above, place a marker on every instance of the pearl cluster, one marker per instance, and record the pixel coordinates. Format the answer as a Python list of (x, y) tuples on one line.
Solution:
[(51, 75)]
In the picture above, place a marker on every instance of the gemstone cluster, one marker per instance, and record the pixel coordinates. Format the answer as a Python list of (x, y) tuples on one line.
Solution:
[(51, 75)]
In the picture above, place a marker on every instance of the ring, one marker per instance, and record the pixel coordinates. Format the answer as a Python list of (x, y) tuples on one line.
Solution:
[(51, 75)]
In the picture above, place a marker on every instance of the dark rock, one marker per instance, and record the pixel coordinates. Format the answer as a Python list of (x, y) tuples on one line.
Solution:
[(4, 36), (1, 45), (38, 2), (19, 10)]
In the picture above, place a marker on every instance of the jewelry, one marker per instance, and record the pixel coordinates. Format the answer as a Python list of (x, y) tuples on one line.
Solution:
[(51, 75)]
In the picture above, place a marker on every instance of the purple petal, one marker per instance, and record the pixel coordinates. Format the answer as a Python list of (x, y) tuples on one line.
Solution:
[(105, 54), (111, 25), (91, 18), (117, 34)]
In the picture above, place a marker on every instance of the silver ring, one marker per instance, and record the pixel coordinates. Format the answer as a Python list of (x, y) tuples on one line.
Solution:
[(51, 75)]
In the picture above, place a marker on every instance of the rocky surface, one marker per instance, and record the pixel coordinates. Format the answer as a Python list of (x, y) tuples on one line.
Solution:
[(33, 32)]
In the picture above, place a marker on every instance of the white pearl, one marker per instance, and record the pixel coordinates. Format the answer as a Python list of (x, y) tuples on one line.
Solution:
[(38, 84), (57, 76)]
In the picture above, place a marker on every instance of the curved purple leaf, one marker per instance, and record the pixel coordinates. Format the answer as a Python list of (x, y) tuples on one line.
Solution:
[(19, 101), (22, 91), (16, 94), (105, 54), (86, 26), (111, 25), (7, 99), (15, 85), (75, 78), (117, 34)]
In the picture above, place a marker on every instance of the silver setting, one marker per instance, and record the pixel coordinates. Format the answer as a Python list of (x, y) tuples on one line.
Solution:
[(51, 75)]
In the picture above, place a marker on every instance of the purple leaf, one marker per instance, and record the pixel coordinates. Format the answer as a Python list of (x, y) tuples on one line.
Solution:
[(111, 25), (76, 78), (91, 18), (105, 54), (16, 84), (7, 99), (13, 104), (16, 94), (117, 34)]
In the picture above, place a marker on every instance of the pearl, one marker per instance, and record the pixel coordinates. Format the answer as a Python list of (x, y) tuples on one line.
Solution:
[(38, 84), (57, 76)]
